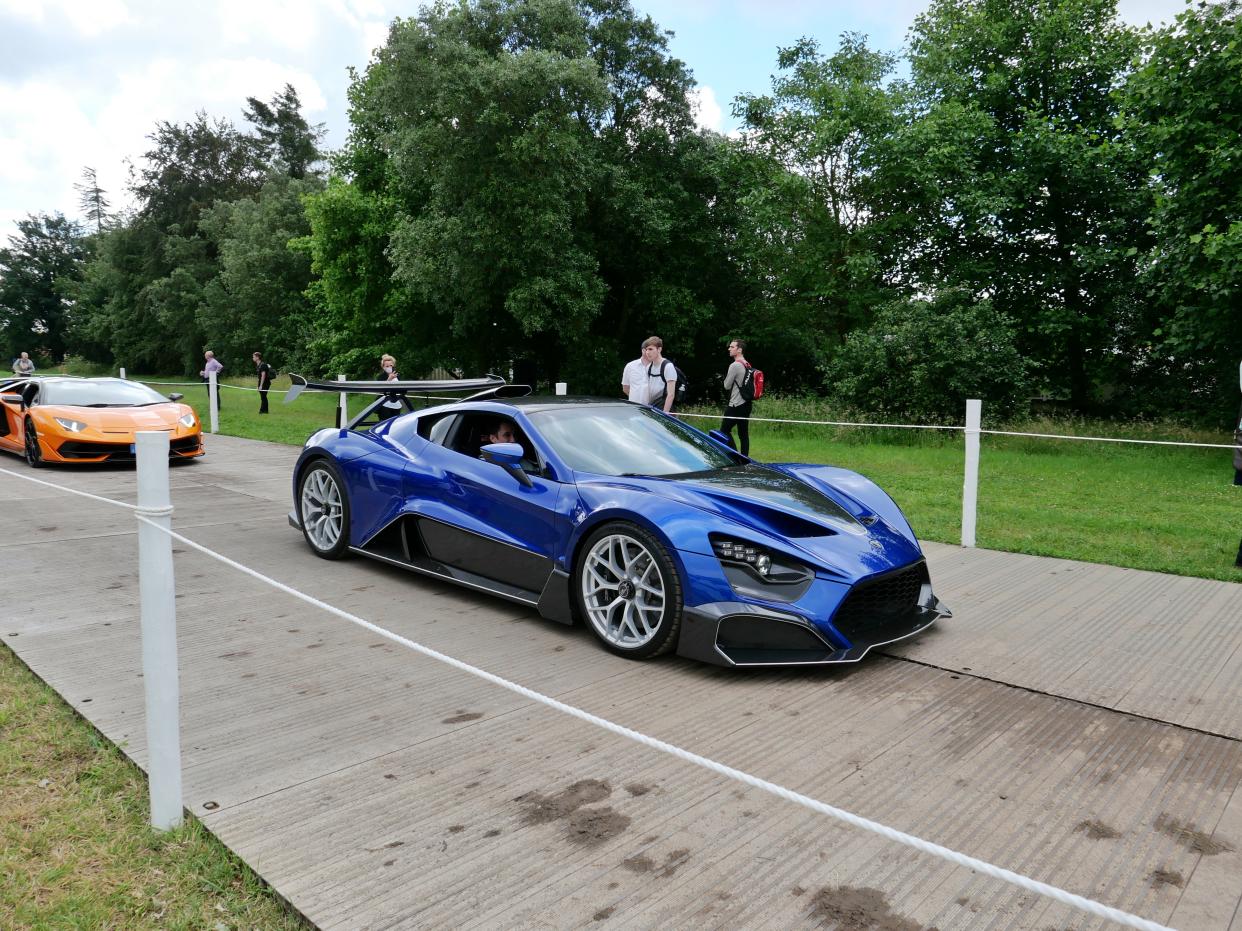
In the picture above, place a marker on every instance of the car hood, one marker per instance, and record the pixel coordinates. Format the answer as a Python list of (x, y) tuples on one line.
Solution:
[(122, 419), (819, 523)]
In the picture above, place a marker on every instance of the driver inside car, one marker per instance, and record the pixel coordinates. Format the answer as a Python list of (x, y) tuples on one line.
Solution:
[(504, 431)]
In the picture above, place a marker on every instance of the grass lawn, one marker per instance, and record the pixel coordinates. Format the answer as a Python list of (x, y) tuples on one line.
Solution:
[(76, 849)]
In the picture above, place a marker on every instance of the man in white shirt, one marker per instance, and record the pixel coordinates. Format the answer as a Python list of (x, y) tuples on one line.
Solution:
[(661, 379), (634, 380)]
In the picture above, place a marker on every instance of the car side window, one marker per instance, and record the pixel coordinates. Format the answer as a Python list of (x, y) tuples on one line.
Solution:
[(436, 429)]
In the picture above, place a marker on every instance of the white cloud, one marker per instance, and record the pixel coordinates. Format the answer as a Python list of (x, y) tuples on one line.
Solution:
[(707, 112), (88, 18), (285, 23)]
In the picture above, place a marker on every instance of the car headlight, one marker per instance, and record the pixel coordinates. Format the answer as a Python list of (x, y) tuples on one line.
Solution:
[(187, 420), (73, 426), (769, 568)]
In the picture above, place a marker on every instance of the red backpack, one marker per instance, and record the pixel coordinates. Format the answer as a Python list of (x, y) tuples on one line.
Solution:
[(752, 384)]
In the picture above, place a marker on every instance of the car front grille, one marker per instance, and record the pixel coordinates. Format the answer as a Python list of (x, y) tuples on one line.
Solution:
[(119, 452), (872, 605)]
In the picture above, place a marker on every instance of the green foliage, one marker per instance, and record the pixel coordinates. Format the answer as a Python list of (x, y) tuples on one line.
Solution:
[(1023, 189), (525, 185), (815, 213), (523, 189), (289, 144), (93, 200), (257, 300), (191, 167), (1184, 109), (37, 272), (921, 360)]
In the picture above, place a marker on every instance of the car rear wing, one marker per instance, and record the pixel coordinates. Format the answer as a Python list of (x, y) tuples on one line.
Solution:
[(489, 386)]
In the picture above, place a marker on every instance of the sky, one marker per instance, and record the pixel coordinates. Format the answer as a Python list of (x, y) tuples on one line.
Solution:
[(84, 82)]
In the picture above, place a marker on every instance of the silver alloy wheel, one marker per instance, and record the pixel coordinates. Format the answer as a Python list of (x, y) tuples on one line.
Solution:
[(322, 515), (623, 591)]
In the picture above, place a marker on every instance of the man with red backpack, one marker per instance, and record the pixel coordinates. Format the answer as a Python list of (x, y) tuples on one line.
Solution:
[(743, 383)]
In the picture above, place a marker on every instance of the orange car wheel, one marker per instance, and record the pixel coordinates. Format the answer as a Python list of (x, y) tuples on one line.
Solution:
[(34, 455)]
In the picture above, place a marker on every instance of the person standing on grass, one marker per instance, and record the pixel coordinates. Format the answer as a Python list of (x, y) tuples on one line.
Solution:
[(634, 380), (388, 372), (23, 365), (661, 375), (212, 365), (264, 372), (737, 407)]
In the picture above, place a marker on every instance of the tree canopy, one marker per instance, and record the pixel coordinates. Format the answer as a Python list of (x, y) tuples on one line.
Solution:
[(1032, 190)]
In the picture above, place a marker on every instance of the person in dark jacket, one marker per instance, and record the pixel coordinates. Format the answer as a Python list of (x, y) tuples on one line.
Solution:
[(264, 372)]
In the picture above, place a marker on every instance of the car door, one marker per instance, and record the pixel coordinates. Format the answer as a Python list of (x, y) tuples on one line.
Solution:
[(481, 518), (12, 419)]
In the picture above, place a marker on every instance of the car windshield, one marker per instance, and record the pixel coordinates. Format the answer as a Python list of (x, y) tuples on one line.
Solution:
[(97, 392), (627, 439)]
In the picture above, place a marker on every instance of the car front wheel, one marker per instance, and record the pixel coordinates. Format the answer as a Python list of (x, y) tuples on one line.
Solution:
[(323, 509), (628, 590), (34, 454)]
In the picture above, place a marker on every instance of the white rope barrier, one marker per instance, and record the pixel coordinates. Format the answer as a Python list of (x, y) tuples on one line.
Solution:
[(824, 423), (830, 423), (1111, 439), (915, 426), (960, 859)]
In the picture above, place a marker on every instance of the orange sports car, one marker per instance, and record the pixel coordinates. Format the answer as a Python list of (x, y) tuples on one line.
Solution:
[(66, 419)]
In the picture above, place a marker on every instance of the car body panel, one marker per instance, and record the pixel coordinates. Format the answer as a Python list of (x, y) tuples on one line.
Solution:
[(106, 434), (848, 573)]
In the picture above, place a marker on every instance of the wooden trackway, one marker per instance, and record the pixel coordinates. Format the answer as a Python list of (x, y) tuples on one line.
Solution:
[(1077, 723)]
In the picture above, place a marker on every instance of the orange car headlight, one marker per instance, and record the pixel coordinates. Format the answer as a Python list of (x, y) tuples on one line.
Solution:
[(73, 426), (187, 420)]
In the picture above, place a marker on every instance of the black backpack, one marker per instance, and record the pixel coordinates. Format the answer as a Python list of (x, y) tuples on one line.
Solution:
[(679, 395), (751, 387)]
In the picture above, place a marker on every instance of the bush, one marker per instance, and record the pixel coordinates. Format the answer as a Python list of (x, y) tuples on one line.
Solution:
[(920, 360)]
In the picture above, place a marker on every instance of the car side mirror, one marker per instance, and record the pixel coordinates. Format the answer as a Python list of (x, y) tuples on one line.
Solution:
[(175, 396), (721, 437), (509, 457), (11, 398)]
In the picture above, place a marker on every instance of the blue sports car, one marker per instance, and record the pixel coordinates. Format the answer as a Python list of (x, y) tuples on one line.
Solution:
[(658, 536)]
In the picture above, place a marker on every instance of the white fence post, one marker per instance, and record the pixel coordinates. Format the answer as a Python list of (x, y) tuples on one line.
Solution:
[(159, 631), (213, 401), (122, 371), (970, 485), (344, 405), (562, 387)]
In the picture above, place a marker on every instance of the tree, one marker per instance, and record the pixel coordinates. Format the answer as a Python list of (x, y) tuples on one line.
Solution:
[(92, 200), (191, 167), (922, 359), (36, 271), (288, 142), (1021, 186), (1184, 108), (547, 191), (817, 225), (144, 288), (258, 301)]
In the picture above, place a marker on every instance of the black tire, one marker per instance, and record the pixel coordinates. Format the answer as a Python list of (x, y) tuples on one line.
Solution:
[(34, 454), (627, 591), (323, 504)]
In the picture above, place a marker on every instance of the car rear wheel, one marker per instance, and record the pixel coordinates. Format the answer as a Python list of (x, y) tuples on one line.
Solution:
[(34, 454), (628, 590), (323, 509)]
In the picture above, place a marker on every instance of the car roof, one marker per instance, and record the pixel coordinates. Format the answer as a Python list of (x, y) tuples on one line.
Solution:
[(533, 403)]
